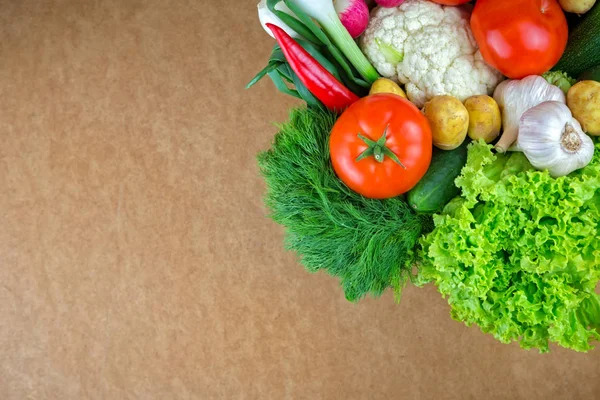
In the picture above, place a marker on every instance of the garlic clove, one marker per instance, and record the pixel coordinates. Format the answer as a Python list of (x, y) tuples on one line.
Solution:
[(552, 139)]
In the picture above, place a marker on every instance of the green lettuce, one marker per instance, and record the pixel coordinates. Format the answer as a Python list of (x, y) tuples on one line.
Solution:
[(518, 253), (332, 228), (560, 79)]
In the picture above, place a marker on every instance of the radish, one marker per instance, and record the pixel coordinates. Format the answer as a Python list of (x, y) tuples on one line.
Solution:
[(389, 3), (354, 15)]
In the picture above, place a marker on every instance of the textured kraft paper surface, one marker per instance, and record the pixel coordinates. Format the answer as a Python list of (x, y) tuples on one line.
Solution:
[(136, 258)]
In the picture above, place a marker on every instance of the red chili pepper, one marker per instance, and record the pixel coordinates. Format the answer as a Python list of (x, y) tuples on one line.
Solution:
[(315, 77)]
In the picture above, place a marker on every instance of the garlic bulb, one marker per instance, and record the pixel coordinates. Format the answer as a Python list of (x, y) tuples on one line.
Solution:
[(552, 139), (517, 96)]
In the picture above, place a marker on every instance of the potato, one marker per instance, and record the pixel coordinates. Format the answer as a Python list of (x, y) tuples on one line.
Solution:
[(583, 100), (577, 6), (484, 118), (384, 85), (449, 120)]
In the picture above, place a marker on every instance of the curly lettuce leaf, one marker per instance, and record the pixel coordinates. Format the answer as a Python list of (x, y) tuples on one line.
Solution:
[(560, 79), (518, 253)]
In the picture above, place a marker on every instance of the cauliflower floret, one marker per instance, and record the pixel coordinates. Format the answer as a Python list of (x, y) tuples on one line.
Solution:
[(429, 48)]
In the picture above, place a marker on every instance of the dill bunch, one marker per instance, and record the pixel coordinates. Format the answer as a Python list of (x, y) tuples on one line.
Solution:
[(366, 243)]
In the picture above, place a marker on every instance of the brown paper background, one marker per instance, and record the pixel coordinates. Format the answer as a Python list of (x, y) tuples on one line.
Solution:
[(136, 259)]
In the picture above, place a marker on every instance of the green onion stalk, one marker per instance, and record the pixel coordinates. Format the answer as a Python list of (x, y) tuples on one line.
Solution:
[(324, 13)]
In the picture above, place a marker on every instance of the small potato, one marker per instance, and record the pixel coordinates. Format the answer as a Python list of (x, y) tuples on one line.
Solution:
[(484, 118), (583, 100), (384, 85), (449, 120), (577, 6)]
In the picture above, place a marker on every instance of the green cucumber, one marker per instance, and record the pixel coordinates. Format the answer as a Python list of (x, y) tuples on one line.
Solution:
[(437, 187), (592, 74), (583, 49)]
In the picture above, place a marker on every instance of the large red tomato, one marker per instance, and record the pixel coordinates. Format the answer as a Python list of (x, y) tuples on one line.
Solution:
[(381, 146), (520, 37)]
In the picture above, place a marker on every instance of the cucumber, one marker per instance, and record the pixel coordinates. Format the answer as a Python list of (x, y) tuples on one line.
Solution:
[(437, 187), (592, 74), (583, 49)]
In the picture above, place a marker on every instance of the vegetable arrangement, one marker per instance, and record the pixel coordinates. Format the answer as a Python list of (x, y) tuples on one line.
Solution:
[(451, 142)]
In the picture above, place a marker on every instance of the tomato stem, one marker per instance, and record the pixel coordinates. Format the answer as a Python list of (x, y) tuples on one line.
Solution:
[(378, 149)]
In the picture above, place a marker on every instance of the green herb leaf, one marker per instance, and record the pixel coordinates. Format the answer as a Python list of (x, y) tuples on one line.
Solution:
[(285, 72), (306, 95), (261, 74), (277, 55), (364, 242)]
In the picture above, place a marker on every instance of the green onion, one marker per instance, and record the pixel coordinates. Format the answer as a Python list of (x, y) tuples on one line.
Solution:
[(324, 13)]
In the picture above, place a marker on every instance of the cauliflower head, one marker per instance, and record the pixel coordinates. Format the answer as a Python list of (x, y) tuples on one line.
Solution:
[(430, 48)]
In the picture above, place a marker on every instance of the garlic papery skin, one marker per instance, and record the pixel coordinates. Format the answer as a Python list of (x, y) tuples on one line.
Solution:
[(514, 97), (553, 140)]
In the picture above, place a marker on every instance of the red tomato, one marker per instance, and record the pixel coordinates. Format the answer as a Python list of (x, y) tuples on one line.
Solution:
[(520, 37), (451, 2), (381, 146)]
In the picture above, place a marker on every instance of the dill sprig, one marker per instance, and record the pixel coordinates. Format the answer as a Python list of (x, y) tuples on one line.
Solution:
[(367, 243)]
